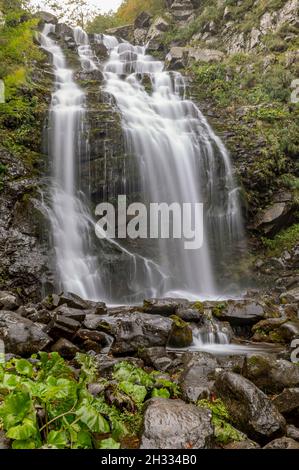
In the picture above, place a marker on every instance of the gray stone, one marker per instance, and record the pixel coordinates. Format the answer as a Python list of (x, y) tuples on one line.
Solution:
[(8, 301), (250, 409), (96, 340), (288, 400), (205, 55), (246, 444), (197, 378), (275, 217), (241, 312), (67, 312), (62, 327), (20, 335), (165, 306), (271, 375), (160, 359), (282, 443), (46, 17), (292, 432), (173, 424), (143, 20)]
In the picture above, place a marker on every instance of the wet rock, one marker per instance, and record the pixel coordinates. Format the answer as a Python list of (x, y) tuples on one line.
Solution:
[(159, 358), (132, 330), (283, 443), (94, 340), (140, 36), (165, 306), (143, 20), (180, 335), (172, 424), (20, 335), (65, 348), (292, 432), (101, 51), (189, 314), (40, 316), (250, 409), (197, 378), (62, 327), (288, 400), (63, 31), (243, 312), (8, 301), (73, 313), (247, 444), (70, 300), (232, 363), (271, 375)]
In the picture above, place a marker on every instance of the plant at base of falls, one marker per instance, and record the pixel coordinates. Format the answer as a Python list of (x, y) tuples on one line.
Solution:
[(223, 430), (45, 403), (218, 309)]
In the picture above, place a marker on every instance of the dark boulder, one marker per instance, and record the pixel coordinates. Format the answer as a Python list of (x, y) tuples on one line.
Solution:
[(62, 327), (180, 335), (173, 424), (241, 312), (197, 378), (65, 348), (165, 306), (288, 400), (8, 301), (250, 409), (20, 335), (143, 20)]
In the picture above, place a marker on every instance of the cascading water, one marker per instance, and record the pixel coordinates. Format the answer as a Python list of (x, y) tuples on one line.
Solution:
[(69, 217), (180, 160)]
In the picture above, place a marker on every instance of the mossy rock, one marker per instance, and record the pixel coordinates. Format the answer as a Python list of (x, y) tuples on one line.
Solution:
[(180, 335)]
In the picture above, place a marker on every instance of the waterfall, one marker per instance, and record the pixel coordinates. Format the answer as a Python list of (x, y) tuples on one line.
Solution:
[(70, 220), (180, 159)]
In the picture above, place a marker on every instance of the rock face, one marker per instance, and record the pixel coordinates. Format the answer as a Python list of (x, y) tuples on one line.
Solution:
[(20, 335), (182, 10), (250, 409), (172, 424), (155, 33), (180, 57), (165, 306)]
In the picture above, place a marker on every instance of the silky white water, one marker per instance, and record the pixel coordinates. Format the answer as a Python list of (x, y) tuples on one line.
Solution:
[(180, 160), (69, 217)]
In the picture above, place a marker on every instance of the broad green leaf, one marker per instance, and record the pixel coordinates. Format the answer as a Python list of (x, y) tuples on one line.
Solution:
[(16, 406), (22, 431), (93, 419), (83, 440), (136, 392), (11, 381), (28, 444), (24, 367), (160, 392), (109, 444), (57, 439)]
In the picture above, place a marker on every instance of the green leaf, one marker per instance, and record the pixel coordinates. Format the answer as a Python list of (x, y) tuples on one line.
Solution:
[(136, 392), (16, 406), (160, 392), (83, 440), (28, 444), (22, 431), (24, 367), (57, 439), (109, 444), (93, 419), (125, 371)]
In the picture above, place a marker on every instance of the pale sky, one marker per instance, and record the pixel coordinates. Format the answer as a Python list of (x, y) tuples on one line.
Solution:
[(103, 5)]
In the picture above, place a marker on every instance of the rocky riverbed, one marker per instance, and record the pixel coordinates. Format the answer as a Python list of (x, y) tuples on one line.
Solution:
[(238, 399)]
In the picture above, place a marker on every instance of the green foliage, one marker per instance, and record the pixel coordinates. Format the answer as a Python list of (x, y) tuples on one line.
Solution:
[(224, 431), (45, 405), (218, 309), (285, 240)]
